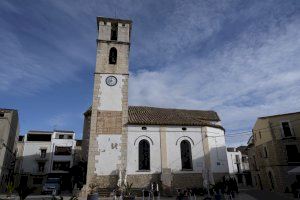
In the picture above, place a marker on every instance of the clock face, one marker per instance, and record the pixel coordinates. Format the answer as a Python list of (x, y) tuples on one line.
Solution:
[(111, 80)]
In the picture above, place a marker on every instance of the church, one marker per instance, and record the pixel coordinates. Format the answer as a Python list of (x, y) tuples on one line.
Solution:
[(175, 148)]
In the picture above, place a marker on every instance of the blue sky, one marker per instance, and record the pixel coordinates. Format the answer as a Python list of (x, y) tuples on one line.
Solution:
[(239, 58)]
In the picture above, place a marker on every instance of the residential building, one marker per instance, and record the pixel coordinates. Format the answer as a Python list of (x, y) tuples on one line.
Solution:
[(77, 155), (46, 154), (274, 150), (238, 165), (173, 147), (9, 131)]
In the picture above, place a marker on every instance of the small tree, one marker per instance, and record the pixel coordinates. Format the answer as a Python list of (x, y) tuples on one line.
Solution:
[(10, 188), (128, 191)]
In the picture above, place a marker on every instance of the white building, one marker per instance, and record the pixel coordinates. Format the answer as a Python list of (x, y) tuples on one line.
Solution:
[(238, 165), (45, 154), (138, 144)]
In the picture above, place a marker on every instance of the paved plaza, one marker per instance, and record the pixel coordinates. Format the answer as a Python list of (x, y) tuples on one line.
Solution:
[(245, 194)]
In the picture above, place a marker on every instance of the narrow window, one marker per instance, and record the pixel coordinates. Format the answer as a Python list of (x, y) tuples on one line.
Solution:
[(292, 153), (114, 31), (186, 155), (113, 56), (286, 129), (144, 155), (265, 152)]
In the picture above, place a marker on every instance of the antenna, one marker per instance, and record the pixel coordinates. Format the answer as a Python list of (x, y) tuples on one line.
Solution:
[(115, 2)]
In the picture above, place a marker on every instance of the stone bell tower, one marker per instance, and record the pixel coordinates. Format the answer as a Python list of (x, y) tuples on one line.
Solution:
[(108, 133)]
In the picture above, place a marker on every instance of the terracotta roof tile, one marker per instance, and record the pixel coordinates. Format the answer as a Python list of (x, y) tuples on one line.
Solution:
[(143, 115), (167, 116)]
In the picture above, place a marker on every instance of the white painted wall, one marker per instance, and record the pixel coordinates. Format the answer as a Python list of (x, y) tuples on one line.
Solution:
[(216, 147), (135, 135), (31, 152), (62, 143), (109, 146), (111, 96), (109, 158), (231, 156), (174, 137), (244, 166)]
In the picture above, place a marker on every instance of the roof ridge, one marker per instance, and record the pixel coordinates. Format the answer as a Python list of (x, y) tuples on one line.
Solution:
[(171, 108)]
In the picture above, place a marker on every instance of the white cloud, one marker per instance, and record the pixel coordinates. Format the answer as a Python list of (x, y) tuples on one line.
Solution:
[(257, 74)]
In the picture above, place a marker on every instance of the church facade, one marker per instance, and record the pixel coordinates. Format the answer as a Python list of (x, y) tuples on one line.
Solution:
[(137, 144)]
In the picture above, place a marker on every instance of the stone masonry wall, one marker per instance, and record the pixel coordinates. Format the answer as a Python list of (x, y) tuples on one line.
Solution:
[(187, 180), (143, 180)]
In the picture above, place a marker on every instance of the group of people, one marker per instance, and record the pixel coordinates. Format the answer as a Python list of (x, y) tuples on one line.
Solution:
[(228, 186)]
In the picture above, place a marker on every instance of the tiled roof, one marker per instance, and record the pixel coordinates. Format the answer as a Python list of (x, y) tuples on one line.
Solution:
[(167, 116), (143, 115)]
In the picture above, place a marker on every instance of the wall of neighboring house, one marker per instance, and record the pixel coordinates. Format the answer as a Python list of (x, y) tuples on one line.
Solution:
[(215, 148), (36, 166), (294, 123), (86, 135), (31, 154), (275, 154), (19, 156), (232, 162), (67, 141), (9, 129), (261, 132)]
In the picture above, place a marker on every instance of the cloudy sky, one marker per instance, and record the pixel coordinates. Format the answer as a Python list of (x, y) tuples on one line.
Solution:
[(239, 58)]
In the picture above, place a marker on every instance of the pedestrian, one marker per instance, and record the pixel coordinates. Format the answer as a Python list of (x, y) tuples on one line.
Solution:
[(231, 187), (235, 186)]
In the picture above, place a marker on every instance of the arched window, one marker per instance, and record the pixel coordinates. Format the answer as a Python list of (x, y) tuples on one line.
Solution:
[(186, 155), (271, 180), (113, 55), (114, 31), (144, 155)]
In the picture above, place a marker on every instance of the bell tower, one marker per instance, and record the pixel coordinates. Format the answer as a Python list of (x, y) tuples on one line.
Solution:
[(108, 133)]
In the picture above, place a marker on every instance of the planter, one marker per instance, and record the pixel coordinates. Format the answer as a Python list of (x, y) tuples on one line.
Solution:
[(94, 196)]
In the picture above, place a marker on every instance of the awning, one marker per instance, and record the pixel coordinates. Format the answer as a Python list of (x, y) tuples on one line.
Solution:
[(296, 170)]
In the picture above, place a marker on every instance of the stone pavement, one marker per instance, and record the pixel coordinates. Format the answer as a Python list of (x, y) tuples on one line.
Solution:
[(245, 194), (263, 194)]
